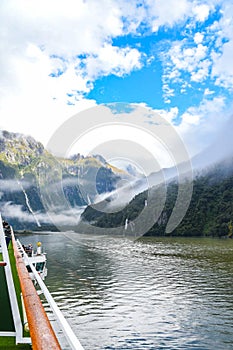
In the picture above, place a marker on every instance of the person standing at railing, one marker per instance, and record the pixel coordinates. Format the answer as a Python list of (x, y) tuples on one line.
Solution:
[(7, 231)]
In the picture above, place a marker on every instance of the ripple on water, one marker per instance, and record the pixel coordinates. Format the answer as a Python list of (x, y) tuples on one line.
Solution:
[(150, 294)]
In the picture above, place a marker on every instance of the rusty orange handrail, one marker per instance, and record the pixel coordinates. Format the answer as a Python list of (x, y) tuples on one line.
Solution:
[(41, 331)]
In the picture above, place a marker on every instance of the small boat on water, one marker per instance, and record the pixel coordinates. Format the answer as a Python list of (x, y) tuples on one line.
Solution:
[(24, 323)]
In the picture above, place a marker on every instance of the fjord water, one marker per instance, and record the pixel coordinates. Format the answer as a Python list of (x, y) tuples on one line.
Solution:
[(160, 293)]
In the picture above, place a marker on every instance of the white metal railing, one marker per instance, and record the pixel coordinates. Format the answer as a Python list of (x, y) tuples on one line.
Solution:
[(68, 332), (11, 290)]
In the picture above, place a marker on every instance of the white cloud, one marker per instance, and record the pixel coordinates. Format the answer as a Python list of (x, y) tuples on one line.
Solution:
[(198, 38), (170, 115), (41, 67), (208, 92), (52, 52), (222, 67), (113, 60), (200, 124), (184, 58), (203, 55), (13, 185), (62, 29), (201, 12), (202, 72), (222, 70), (168, 92), (64, 217), (165, 13)]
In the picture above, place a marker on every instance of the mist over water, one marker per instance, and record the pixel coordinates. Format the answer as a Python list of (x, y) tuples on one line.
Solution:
[(148, 294)]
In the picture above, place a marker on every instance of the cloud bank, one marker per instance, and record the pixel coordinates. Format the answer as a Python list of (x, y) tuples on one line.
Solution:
[(53, 52)]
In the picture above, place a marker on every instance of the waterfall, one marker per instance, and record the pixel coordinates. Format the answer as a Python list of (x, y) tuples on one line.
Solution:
[(28, 204), (88, 200), (130, 224), (126, 224)]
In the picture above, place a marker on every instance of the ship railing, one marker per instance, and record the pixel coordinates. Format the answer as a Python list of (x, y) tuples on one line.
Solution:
[(67, 330), (18, 334), (42, 334)]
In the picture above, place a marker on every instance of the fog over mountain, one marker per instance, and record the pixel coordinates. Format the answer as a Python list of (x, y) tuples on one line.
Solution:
[(38, 189), (220, 149)]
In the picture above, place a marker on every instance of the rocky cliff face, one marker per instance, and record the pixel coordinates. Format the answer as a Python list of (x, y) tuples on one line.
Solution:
[(19, 150), (32, 179)]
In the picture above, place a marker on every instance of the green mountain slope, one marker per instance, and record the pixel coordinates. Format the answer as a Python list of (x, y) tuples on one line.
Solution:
[(32, 179), (209, 213)]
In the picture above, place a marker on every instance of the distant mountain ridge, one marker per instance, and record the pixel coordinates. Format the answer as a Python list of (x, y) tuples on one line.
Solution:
[(28, 172), (38, 189)]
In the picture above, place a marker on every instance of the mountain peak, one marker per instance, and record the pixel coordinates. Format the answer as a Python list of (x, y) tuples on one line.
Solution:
[(19, 149)]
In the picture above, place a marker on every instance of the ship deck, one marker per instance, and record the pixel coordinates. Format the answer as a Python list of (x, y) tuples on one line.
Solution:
[(6, 319), (6, 322)]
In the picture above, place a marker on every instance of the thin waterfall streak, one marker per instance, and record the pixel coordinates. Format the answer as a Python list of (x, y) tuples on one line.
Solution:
[(29, 205)]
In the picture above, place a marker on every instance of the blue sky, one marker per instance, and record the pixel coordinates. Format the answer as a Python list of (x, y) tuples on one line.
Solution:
[(152, 83), (61, 57)]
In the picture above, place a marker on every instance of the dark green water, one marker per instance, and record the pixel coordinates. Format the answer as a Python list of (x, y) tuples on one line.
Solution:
[(148, 294)]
